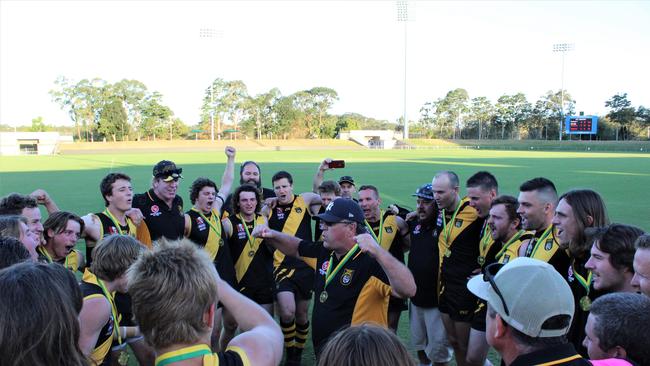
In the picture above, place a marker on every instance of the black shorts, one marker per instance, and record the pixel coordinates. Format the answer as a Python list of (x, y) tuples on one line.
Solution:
[(260, 295), (457, 302), (396, 304), (478, 322), (123, 305), (300, 281)]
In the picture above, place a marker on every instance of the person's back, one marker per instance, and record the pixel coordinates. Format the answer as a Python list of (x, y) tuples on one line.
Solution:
[(175, 290)]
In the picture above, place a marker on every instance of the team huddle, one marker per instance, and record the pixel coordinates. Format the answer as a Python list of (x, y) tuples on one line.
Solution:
[(542, 278)]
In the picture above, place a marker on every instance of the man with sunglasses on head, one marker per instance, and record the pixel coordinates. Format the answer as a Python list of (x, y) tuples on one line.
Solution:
[(161, 207), (530, 307)]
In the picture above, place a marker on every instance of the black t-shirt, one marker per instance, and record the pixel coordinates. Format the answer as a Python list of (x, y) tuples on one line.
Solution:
[(160, 220), (563, 354), (423, 261), (358, 292), (577, 331)]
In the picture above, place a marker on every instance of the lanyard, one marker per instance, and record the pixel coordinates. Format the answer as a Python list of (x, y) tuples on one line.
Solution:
[(108, 295), (115, 222), (329, 275), (447, 231), (209, 222), (381, 225), (486, 238), (183, 354), (250, 240), (581, 280), (508, 243), (541, 239), (49, 259)]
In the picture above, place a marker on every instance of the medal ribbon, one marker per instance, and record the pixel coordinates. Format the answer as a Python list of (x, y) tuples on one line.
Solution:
[(507, 244), (49, 259), (183, 354), (115, 222), (581, 280), (109, 296), (445, 231), (381, 225), (330, 276), (486, 239), (541, 239), (212, 225), (251, 242)]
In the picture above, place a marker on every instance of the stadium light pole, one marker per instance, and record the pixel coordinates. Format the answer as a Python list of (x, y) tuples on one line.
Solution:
[(403, 17), (563, 48), (211, 34)]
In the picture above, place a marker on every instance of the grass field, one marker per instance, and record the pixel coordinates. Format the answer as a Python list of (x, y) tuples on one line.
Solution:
[(72, 179)]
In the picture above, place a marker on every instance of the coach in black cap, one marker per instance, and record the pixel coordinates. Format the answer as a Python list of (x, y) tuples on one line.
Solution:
[(354, 275), (161, 207)]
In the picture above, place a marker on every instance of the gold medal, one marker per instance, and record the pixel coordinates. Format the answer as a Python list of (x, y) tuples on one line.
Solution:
[(480, 260), (123, 359), (447, 253), (585, 303), (251, 253), (323, 296)]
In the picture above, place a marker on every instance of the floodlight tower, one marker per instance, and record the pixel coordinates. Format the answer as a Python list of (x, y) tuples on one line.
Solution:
[(563, 48), (403, 16), (211, 34)]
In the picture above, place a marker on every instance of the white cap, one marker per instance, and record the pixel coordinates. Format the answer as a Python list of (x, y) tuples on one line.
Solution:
[(533, 292)]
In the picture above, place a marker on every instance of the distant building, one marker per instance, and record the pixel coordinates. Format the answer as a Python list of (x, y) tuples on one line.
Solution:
[(374, 139), (31, 143)]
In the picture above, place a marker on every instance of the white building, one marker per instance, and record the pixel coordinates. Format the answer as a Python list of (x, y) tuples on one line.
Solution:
[(374, 139), (36, 143)]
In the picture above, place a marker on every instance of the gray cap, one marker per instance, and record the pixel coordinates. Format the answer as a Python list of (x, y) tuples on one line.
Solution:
[(533, 292)]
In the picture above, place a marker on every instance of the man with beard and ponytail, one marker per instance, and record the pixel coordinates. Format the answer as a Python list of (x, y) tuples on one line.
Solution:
[(460, 233), (294, 278), (428, 335), (252, 258), (250, 173), (537, 202), (391, 232), (576, 211)]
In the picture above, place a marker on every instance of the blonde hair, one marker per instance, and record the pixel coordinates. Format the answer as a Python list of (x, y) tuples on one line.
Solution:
[(114, 255), (172, 286), (365, 345)]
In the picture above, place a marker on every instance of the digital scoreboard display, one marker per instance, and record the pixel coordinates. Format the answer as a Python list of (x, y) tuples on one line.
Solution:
[(576, 125)]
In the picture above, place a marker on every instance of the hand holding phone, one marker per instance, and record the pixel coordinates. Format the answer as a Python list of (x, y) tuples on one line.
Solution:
[(336, 164)]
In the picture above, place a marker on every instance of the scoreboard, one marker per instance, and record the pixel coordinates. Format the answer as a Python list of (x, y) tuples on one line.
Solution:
[(581, 125)]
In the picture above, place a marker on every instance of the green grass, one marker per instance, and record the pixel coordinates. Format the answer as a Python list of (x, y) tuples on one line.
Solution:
[(621, 178)]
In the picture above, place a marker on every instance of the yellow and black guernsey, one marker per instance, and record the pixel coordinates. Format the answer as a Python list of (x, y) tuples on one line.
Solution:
[(386, 233), (233, 356), (108, 225), (71, 261), (253, 259), (506, 252), (92, 287), (545, 246), (292, 219), (349, 290), (206, 232), (160, 220)]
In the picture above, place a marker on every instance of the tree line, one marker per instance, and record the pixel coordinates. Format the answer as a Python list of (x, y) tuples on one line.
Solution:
[(128, 110)]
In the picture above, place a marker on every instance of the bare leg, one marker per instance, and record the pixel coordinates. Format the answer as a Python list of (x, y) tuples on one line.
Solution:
[(477, 349), (458, 335)]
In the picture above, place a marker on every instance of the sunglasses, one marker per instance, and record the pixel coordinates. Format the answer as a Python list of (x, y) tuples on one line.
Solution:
[(488, 276)]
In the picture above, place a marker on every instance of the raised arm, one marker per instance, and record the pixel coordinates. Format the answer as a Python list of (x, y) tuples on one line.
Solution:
[(261, 337), (404, 233), (400, 277), (313, 201), (287, 244), (43, 198), (318, 178), (227, 178)]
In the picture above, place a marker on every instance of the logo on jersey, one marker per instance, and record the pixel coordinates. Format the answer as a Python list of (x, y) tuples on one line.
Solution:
[(200, 224), (458, 223), (112, 230), (346, 277), (155, 211), (548, 245), (506, 258), (323, 268), (298, 210), (241, 231), (417, 229), (280, 213), (440, 221), (389, 229), (569, 276)]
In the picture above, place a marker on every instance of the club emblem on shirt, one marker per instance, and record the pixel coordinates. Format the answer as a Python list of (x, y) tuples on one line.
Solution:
[(200, 224), (298, 210), (112, 230), (280, 213), (323, 268), (389, 229), (569, 276), (155, 210), (417, 229), (506, 258), (548, 245), (458, 223), (346, 277)]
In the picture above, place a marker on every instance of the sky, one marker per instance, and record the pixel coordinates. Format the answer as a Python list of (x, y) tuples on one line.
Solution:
[(354, 47)]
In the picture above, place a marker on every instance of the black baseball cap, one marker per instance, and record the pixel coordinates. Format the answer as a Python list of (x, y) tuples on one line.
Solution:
[(425, 191), (346, 179), (342, 209), (167, 170)]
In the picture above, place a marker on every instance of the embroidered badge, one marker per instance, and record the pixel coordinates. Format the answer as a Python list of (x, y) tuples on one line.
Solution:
[(548, 245), (346, 277), (458, 223), (298, 210), (323, 268), (155, 211), (389, 229)]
